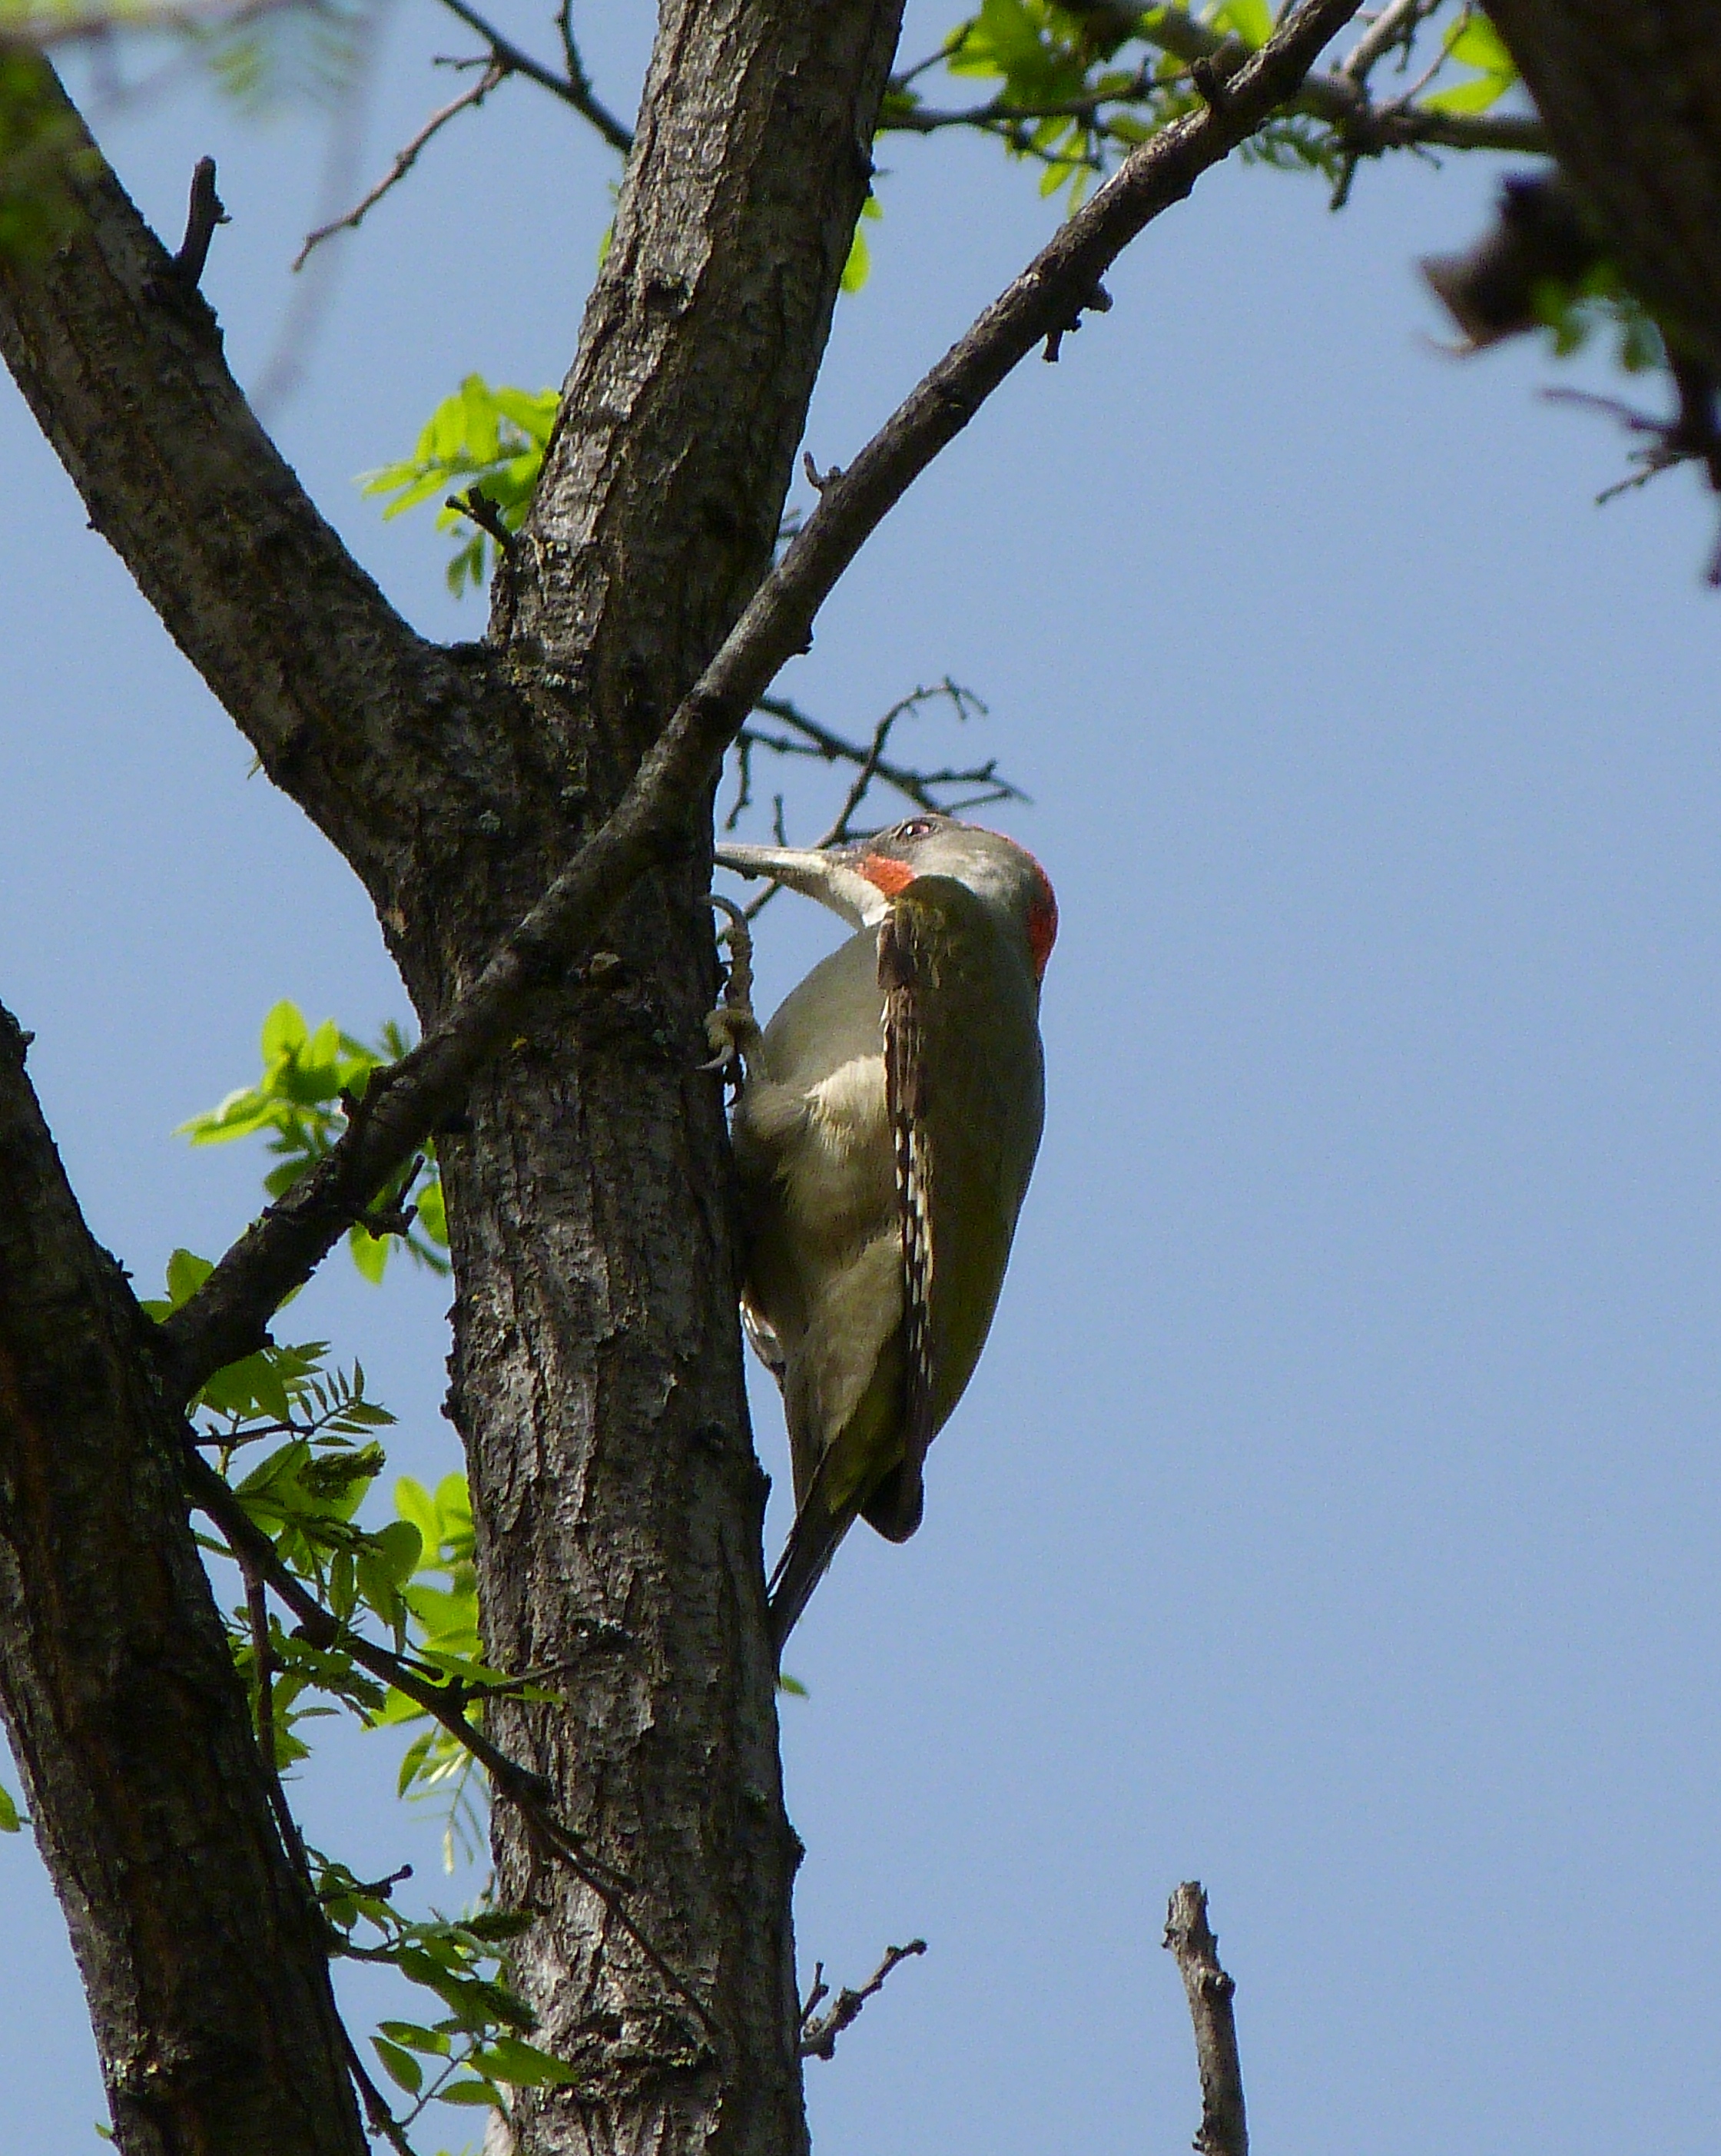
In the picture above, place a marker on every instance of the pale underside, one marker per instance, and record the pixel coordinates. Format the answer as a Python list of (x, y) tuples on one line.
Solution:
[(813, 1121)]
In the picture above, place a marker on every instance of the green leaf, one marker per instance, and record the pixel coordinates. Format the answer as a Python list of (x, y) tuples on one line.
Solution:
[(1251, 19), (402, 2068), (433, 1218), (370, 1253), (1475, 42), (473, 2093), (11, 1819), (284, 1032), (493, 438), (401, 1546), (433, 2043), (186, 1274)]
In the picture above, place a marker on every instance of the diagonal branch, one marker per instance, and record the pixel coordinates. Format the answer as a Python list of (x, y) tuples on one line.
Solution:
[(259, 1560), (227, 1316), (121, 363), (819, 2031)]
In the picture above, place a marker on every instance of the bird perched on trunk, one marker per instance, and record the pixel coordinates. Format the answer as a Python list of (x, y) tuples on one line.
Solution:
[(884, 1133)]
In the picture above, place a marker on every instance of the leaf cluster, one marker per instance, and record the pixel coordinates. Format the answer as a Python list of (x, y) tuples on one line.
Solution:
[(311, 1083), (477, 2047), (43, 156), (490, 441)]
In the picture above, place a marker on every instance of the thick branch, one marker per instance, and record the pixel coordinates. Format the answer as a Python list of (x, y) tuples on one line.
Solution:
[(200, 1951), (1224, 2129), (1340, 96), (226, 1318), (121, 363)]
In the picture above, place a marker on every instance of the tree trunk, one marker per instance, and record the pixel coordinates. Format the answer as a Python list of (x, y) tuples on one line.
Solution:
[(596, 1366), (1631, 91)]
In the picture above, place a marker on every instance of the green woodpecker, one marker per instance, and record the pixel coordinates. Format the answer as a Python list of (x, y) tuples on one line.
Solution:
[(885, 1131)]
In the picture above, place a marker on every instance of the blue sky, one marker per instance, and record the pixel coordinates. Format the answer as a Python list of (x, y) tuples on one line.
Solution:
[(1333, 1514)]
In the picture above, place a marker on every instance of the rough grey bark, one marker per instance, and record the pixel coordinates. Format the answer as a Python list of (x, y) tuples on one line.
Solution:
[(596, 1366), (1630, 93), (199, 1949)]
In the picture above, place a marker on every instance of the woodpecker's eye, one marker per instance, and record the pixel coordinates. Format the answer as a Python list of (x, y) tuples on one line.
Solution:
[(916, 826)]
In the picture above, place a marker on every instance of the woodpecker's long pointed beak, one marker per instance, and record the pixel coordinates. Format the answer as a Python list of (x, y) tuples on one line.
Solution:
[(833, 878)]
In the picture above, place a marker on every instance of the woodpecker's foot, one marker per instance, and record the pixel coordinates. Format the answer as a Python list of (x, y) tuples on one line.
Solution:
[(730, 1029)]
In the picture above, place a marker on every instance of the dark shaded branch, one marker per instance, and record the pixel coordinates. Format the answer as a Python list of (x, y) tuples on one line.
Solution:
[(206, 211), (122, 365), (574, 88), (1630, 92), (227, 1316), (1224, 2129), (203, 1958), (819, 2031)]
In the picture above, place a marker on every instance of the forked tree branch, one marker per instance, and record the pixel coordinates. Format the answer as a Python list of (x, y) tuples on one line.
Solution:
[(1223, 2130), (227, 1316), (121, 362), (573, 88), (819, 2031)]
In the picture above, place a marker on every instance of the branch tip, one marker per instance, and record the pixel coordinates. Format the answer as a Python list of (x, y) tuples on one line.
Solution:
[(203, 212), (1188, 1937), (818, 2039)]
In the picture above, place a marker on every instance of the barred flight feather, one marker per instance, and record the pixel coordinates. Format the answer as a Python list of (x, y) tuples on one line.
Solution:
[(905, 1092)]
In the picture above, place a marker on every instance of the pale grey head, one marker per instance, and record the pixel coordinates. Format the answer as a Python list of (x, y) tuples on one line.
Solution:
[(859, 878)]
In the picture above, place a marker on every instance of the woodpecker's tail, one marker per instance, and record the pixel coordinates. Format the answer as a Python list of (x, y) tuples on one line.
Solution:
[(806, 1557)]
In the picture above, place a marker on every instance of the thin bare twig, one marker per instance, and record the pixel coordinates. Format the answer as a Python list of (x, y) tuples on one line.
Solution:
[(228, 1315), (918, 785), (475, 504), (819, 2036), (574, 88), (405, 158), (378, 2113), (1224, 2129), (1692, 436), (921, 788)]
